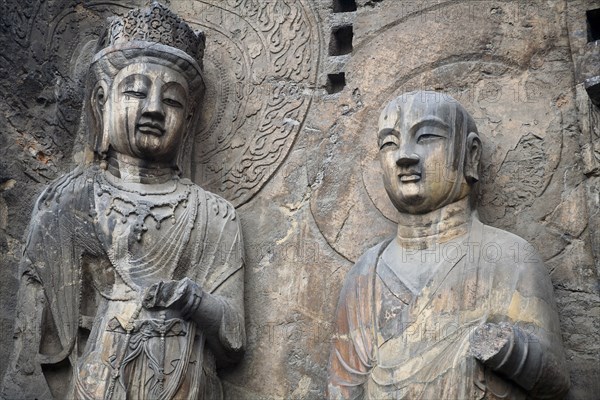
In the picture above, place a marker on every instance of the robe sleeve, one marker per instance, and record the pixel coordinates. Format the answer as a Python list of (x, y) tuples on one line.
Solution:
[(352, 349), (537, 336), (24, 378), (48, 298), (535, 358), (222, 304), (42, 253), (231, 333)]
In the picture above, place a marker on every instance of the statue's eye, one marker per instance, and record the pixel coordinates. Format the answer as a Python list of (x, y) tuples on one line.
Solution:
[(430, 131), (389, 142), (135, 94), (428, 137), (172, 103)]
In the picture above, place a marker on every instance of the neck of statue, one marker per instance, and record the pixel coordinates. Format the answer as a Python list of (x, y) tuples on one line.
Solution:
[(134, 170), (422, 231)]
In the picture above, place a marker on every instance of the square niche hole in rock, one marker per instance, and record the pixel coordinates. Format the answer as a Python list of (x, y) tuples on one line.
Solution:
[(336, 82), (593, 24), (340, 6), (341, 40)]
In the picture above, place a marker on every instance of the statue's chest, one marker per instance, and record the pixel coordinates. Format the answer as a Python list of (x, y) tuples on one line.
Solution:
[(145, 234)]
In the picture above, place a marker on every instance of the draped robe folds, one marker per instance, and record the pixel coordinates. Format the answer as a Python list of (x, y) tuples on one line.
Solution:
[(89, 256), (393, 343)]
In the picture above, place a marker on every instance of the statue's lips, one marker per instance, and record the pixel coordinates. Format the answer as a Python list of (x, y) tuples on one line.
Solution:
[(410, 177), (151, 129)]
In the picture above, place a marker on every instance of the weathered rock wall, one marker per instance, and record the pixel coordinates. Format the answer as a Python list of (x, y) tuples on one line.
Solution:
[(295, 89)]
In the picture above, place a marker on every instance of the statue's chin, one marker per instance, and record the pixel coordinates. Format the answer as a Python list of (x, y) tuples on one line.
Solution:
[(419, 199), (405, 197), (411, 205), (415, 210), (417, 204)]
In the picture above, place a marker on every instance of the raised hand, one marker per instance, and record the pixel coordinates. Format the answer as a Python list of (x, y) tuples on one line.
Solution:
[(490, 342), (184, 295)]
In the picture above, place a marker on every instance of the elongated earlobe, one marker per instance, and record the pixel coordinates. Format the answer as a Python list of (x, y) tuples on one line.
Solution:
[(98, 101), (472, 158)]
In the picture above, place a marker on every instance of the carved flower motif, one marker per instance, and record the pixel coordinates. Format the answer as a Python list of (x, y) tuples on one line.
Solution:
[(131, 21), (166, 38), (155, 23)]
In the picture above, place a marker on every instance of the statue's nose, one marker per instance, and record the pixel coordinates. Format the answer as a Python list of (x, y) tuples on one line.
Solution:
[(405, 156), (154, 104)]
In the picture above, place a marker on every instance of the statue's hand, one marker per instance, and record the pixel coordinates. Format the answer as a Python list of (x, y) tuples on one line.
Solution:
[(513, 352), (184, 295), (491, 342)]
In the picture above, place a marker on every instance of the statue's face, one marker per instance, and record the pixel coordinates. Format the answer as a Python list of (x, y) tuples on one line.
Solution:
[(416, 142), (146, 112)]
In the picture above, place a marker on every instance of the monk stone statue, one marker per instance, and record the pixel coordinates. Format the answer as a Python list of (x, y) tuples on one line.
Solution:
[(132, 277), (449, 308)]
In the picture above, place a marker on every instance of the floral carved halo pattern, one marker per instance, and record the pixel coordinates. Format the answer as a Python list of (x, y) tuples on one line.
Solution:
[(261, 66)]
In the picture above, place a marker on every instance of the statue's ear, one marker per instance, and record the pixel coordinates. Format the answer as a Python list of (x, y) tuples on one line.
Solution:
[(97, 103), (99, 98), (473, 155)]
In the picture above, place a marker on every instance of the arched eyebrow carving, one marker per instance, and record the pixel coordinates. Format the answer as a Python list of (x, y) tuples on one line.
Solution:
[(134, 78), (387, 131)]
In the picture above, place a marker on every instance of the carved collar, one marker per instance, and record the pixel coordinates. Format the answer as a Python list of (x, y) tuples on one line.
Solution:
[(421, 231)]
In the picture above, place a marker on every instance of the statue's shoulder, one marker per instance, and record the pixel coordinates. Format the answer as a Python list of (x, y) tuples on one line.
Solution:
[(500, 235), (516, 264), (60, 190), (367, 260), (508, 248), (217, 206), (358, 281)]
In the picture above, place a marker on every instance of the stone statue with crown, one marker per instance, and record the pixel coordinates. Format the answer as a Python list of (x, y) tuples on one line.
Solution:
[(132, 276)]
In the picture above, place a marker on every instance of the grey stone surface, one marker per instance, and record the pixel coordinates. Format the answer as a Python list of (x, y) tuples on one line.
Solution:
[(318, 202), (443, 308), (131, 278)]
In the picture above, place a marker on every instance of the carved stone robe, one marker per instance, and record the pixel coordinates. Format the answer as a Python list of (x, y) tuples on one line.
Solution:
[(395, 343), (94, 245)]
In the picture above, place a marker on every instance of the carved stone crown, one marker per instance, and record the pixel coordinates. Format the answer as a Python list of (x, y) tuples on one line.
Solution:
[(155, 24)]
